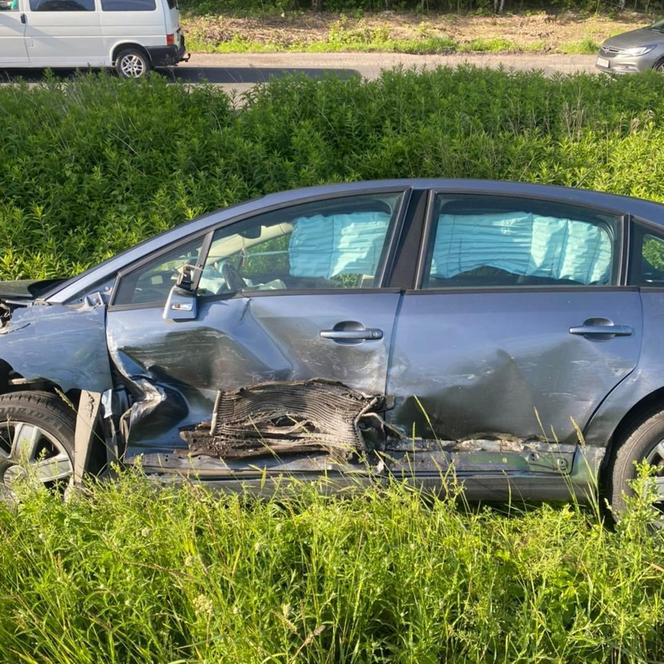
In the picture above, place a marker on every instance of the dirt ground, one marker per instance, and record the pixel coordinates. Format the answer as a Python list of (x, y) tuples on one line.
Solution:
[(540, 31)]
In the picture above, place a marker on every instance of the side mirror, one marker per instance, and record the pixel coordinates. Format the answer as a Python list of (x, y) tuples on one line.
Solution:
[(182, 303)]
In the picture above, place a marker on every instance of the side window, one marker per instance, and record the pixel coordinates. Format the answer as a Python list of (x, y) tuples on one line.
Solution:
[(128, 5), (338, 243), (151, 282), (647, 263), (8, 5), (62, 5), (484, 241)]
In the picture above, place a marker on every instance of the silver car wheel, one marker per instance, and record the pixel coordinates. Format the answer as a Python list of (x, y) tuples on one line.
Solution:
[(29, 452), (132, 65)]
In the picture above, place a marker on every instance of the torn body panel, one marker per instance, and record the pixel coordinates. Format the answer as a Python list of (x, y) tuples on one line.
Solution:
[(62, 344), (286, 418), (240, 342)]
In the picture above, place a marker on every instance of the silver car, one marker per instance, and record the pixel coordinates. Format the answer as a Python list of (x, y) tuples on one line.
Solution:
[(633, 51), (508, 333)]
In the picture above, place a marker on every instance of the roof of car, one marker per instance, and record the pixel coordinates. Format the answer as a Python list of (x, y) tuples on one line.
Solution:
[(647, 210)]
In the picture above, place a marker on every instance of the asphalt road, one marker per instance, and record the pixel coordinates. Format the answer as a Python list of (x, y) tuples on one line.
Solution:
[(239, 72)]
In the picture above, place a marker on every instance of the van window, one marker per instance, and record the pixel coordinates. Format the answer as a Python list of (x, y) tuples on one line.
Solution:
[(62, 5), (128, 5)]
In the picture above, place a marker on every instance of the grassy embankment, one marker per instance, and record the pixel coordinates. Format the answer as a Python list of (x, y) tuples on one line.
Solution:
[(214, 27), (131, 574)]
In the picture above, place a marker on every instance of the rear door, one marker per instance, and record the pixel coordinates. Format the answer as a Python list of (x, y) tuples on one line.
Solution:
[(519, 326), (12, 35), (64, 33), (133, 21), (291, 294)]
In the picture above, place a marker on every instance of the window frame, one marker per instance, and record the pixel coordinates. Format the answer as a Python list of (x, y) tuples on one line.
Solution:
[(386, 261), (428, 233), (638, 229)]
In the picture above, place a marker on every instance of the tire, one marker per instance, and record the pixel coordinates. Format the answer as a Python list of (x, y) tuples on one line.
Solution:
[(646, 442), (132, 63), (36, 439)]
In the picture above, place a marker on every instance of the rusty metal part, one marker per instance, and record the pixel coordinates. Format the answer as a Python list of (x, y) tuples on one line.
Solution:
[(286, 418)]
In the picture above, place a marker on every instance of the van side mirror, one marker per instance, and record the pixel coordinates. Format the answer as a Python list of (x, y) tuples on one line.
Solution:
[(182, 303)]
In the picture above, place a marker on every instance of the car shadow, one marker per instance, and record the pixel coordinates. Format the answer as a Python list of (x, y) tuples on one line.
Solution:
[(187, 74)]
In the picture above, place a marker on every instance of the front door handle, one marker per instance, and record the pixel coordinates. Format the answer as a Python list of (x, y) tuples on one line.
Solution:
[(352, 335), (601, 327), (350, 331)]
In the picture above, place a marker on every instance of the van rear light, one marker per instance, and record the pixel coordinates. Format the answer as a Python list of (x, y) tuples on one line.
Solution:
[(170, 39)]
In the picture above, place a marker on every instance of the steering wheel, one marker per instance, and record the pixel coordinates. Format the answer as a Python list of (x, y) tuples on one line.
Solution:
[(234, 282)]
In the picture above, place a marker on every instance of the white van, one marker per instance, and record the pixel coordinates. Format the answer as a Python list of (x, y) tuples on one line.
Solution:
[(131, 35)]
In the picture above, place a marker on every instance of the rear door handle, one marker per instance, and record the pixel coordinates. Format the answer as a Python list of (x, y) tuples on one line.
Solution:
[(601, 327), (352, 335), (24, 19)]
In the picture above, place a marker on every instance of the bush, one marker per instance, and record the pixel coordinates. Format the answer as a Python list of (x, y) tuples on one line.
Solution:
[(130, 573), (93, 165)]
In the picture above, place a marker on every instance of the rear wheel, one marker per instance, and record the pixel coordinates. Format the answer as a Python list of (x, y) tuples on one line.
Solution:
[(645, 443), (132, 63), (36, 439)]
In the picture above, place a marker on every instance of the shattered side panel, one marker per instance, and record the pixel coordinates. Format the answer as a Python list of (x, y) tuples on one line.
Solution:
[(503, 364), (241, 342), (64, 344), (284, 418)]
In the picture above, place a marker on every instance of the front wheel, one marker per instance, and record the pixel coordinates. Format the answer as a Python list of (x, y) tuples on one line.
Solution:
[(36, 439), (132, 63), (645, 443)]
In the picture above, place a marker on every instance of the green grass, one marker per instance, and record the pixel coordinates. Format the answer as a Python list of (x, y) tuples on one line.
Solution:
[(93, 165), (129, 573), (373, 40), (585, 46), (132, 573)]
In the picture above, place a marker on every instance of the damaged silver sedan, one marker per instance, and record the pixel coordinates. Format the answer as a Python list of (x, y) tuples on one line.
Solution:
[(509, 334)]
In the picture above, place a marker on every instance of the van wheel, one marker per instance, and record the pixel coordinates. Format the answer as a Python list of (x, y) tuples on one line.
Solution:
[(645, 443), (132, 63)]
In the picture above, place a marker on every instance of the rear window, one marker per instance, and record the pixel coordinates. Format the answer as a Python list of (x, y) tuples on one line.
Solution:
[(62, 5), (128, 5), (172, 4)]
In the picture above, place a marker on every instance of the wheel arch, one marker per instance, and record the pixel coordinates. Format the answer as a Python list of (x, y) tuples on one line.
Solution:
[(636, 415), (122, 45)]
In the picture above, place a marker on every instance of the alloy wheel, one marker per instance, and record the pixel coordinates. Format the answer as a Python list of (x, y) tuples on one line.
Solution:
[(132, 65), (29, 452), (655, 458)]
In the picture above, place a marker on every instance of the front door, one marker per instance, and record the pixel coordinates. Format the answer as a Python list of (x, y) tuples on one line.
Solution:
[(12, 35), (291, 294), (64, 33), (520, 327)]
